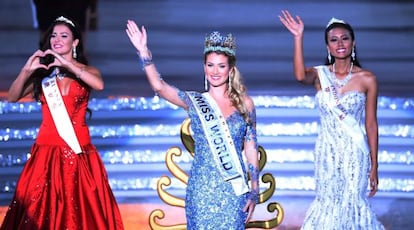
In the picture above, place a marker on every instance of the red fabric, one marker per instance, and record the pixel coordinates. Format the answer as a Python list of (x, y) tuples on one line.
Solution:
[(59, 189)]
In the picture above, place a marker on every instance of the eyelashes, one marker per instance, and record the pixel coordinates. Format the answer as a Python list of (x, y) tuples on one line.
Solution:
[(337, 39), (62, 35), (220, 66)]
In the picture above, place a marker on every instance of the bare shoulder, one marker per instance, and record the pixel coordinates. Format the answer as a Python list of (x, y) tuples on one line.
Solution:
[(367, 79), (365, 74), (249, 102)]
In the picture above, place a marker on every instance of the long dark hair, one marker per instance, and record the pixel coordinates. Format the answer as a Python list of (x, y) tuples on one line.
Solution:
[(39, 74), (351, 32)]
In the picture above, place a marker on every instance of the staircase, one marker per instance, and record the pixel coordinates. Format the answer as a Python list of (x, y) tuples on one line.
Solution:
[(133, 130), (134, 134)]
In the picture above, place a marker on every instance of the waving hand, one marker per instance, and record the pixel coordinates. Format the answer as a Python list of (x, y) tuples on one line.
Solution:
[(294, 25), (137, 36)]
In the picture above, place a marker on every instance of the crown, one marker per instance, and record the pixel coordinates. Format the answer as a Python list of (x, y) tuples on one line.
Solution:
[(63, 19), (216, 42), (335, 20)]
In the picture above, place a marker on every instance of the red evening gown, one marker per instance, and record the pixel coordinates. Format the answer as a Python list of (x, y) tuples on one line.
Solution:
[(59, 189)]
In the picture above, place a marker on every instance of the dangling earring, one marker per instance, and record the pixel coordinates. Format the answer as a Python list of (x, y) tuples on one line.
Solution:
[(353, 54), (205, 83), (229, 84), (329, 58), (74, 54)]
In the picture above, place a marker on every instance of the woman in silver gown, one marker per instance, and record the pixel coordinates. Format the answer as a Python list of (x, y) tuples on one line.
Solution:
[(346, 151)]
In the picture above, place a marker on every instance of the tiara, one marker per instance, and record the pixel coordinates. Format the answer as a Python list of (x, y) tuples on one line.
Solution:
[(335, 20), (216, 42), (63, 19)]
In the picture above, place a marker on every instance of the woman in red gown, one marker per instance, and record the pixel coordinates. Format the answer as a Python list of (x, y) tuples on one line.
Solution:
[(61, 186)]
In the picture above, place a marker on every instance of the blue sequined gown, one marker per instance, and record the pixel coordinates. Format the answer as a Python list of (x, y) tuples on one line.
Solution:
[(210, 202), (341, 172)]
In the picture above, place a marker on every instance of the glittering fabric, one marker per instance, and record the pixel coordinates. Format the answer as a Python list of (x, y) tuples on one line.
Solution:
[(341, 172), (58, 189), (210, 202)]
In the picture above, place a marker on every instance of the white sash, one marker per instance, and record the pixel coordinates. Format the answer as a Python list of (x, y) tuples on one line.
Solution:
[(59, 113), (330, 92), (220, 142)]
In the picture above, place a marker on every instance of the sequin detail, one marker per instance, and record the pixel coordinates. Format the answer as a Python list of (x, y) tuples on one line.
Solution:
[(210, 201), (341, 170), (59, 189)]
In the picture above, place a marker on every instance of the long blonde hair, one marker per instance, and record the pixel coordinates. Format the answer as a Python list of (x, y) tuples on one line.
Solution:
[(238, 92)]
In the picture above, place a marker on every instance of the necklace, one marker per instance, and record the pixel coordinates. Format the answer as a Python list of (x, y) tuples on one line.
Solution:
[(341, 82), (59, 75)]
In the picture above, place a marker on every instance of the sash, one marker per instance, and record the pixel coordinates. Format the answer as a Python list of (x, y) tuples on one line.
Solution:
[(220, 142), (59, 113), (330, 92)]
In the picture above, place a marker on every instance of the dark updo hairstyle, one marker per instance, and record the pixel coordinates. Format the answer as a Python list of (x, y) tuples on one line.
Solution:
[(39, 74), (351, 32)]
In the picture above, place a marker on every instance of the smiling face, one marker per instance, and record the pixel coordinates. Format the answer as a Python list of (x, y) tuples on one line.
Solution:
[(339, 42), (217, 69), (62, 41)]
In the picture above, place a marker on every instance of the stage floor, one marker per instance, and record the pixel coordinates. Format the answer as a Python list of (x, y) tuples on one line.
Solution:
[(136, 215)]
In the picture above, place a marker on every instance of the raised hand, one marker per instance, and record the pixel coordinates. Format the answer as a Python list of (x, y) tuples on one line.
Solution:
[(138, 37), (294, 25)]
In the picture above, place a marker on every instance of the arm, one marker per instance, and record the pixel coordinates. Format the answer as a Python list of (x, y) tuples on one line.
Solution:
[(371, 127), (88, 74), (296, 27), (138, 38), (20, 86), (251, 153)]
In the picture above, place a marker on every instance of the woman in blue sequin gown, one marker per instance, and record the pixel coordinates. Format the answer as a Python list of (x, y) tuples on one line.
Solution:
[(212, 202), (345, 153)]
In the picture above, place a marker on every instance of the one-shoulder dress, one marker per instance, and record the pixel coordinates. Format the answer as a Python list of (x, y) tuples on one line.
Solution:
[(210, 202), (341, 169)]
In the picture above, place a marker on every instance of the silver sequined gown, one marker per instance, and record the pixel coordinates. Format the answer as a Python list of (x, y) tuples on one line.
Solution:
[(341, 172), (210, 202)]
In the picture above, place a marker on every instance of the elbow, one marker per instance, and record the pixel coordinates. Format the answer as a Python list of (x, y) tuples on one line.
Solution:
[(157, 88), (302, 81), (371, 123), (12, 98), (300, 77), (157, 91), (99, 87), (371, 128)]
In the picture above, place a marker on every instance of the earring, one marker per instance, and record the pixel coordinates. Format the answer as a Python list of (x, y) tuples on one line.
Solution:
[(74, 54), (353, 54), (205, 83), (229, 84), (329, 58)]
